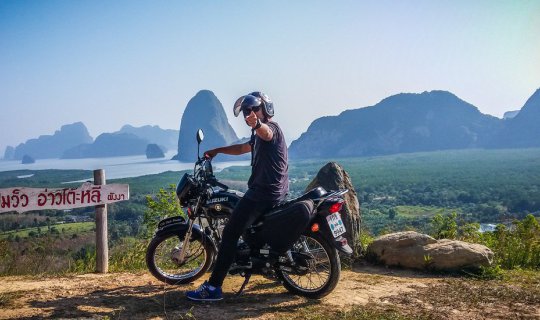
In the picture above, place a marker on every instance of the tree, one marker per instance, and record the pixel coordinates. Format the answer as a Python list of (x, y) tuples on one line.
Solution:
[(392, 213)]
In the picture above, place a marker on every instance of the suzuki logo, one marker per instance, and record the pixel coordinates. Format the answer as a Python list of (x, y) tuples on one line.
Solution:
[(223, 199)]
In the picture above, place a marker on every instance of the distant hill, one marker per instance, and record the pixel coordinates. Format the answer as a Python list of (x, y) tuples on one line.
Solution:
[(204, 111), (166, 138), (153, 151), (109, 145), (405, 122), (523, 130), (9, 154), (51, 146), (510, 114)]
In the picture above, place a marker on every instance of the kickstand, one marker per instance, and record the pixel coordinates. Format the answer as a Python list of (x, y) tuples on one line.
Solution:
[(247, 276)]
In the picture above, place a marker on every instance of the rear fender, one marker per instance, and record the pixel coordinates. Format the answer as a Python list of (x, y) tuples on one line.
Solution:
[(340, 243)]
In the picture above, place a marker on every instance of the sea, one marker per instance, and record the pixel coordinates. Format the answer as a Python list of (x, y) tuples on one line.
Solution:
[(115, 167)]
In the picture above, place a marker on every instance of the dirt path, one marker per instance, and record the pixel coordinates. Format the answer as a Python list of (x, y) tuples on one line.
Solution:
[(140, 296)]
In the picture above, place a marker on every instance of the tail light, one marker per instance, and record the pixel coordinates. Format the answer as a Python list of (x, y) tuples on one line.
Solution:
[(335, 207), (315, 227)]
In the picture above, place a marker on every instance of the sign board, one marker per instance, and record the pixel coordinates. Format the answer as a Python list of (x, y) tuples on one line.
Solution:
[(27, 199)]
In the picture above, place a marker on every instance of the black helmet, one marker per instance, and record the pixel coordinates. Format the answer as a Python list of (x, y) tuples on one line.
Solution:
[(268, 105), (254, 99)]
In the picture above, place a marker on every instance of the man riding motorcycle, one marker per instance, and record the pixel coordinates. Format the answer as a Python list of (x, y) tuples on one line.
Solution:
[(267, 186)]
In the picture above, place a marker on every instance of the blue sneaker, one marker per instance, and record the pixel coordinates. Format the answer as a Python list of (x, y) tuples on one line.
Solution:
[(204, 293)]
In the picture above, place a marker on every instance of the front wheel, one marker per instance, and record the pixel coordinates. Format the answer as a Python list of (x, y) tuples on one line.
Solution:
[(163, 257), (323, 267)]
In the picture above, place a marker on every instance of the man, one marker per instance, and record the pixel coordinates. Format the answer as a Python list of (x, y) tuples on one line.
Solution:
[(268, 184)]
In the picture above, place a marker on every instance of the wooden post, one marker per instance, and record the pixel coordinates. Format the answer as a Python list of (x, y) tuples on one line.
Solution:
[(102, 247)]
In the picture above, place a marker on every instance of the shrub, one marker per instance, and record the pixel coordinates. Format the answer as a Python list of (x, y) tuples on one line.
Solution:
[(517, 246), (514, 247), (444, 227), (164, 205)]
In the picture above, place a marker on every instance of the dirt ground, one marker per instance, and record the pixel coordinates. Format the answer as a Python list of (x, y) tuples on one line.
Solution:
[(140, 296)]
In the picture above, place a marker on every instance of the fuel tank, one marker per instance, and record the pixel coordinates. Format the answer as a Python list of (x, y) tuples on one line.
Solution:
[(222, 203)]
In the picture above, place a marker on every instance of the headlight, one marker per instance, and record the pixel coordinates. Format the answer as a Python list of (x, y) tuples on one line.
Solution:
[(185, 189)]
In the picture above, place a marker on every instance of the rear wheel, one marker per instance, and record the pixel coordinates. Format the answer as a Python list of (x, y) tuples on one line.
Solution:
[(323, 267), (164, 252)]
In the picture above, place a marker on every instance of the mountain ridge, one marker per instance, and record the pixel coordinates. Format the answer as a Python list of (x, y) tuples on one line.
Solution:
[(51, 146), (405, 122)]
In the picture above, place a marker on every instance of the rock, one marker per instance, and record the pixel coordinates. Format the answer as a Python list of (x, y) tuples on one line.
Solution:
[(26, 159), (153, 151), (419, 251), (452, 255), (333, 177), (205, 111)]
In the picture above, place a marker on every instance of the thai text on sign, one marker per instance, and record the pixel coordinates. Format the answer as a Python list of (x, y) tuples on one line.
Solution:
[(27, 199)]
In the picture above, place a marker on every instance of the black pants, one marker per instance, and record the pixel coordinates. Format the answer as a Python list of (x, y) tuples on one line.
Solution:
[(244, 214)]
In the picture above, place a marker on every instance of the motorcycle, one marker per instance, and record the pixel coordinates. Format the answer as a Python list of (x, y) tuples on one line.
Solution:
[(296, 243)]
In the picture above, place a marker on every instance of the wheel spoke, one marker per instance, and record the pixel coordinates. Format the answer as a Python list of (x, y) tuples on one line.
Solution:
[(167, 253), (319, 270)]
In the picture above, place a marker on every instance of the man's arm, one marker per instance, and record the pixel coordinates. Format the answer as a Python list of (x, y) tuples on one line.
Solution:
[(263, 131), (235, 149)]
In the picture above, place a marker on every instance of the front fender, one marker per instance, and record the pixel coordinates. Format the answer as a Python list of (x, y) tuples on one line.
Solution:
[(180, 229)]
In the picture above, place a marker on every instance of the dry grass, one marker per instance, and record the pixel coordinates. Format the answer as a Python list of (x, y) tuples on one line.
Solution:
[(366, 292)]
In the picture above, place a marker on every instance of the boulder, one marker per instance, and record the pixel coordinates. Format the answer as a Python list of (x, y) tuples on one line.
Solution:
[(419, 251), (333, 177), (452, 255)]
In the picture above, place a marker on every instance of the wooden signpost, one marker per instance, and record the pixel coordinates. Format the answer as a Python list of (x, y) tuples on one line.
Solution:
[(98, 194)]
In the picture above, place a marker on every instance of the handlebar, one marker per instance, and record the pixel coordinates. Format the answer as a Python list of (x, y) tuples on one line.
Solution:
[(206, 163)]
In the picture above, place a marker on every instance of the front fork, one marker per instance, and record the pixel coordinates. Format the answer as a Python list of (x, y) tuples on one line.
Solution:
[(187, 238), (185, 244)]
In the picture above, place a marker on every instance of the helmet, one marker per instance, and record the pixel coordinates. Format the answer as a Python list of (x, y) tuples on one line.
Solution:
[(254, 99), (247, 101), (268, 105)]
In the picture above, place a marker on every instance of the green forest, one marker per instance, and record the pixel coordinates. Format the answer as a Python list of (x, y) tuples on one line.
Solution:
[(397, 192)]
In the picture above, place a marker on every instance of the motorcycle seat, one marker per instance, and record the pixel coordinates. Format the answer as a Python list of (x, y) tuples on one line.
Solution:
[(312, 194)]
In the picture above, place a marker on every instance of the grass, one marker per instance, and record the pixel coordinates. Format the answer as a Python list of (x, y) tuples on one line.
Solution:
[(517, 293), (368, 312), (7, 298), (422, 211), (66, 228)]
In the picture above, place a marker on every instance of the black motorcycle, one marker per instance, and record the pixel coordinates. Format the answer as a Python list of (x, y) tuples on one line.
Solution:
[(295, 243)]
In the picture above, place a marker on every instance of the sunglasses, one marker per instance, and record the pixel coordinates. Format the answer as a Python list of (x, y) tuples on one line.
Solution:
[(247, 110)]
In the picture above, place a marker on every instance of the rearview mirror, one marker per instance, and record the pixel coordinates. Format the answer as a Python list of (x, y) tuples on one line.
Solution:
[(200, 136)]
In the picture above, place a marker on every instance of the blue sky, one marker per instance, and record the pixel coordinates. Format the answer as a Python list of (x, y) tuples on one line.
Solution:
[(110, 63)]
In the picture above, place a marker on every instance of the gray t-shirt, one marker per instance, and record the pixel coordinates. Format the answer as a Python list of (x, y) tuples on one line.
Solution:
[(269, 175)]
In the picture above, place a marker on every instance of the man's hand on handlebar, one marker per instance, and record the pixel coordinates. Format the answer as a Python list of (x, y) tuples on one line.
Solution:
[(210, 154)]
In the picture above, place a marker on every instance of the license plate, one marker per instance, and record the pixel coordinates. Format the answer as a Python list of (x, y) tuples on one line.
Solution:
[(336, 225)]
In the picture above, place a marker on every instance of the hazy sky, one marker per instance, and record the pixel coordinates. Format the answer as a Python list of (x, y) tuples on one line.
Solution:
[(110, 63)]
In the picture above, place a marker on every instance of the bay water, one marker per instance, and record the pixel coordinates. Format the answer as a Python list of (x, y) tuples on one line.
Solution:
[(115, 167)]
